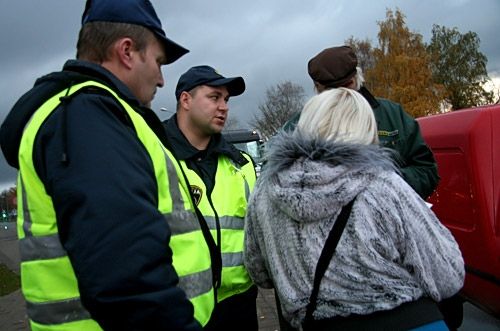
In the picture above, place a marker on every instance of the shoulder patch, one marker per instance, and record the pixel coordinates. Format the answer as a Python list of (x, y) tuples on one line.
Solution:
[(197, 193)]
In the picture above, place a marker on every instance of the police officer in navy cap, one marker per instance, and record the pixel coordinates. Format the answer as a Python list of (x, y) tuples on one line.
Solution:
[(101, 203), (221, 178)]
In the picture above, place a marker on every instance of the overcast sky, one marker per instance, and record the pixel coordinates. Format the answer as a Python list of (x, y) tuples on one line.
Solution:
[(265, 42)]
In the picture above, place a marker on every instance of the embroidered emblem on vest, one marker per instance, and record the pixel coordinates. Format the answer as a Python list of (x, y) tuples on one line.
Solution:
[(197, 193)]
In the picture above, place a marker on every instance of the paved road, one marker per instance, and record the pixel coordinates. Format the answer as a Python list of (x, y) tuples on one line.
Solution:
[(12, 312), (13, 317)]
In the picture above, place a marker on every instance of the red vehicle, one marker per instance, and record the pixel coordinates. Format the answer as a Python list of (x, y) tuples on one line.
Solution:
[(466, 144)]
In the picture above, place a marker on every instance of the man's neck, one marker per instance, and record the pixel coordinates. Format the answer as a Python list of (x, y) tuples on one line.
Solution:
[(197, 139)]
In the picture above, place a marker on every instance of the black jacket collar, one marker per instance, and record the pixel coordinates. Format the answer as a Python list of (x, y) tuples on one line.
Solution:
[(74, 72), (98, 73)]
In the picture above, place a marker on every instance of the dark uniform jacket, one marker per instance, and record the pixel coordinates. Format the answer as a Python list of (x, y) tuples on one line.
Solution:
[(101, 181), (400, 132), (240, 309)]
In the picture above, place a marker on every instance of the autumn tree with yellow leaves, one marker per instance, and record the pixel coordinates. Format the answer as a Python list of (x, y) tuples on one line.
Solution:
[(448, 73), (401, 70), (424, 79)]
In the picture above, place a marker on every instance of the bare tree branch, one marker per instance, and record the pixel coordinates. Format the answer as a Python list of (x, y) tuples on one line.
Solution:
[(282, 102)]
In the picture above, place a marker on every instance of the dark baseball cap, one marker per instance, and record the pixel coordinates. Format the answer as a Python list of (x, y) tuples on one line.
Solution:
[(139, 12), (333, 67), (206, 75)]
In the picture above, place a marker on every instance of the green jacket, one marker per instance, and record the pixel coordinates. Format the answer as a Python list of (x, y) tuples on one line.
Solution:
[(399, 131)]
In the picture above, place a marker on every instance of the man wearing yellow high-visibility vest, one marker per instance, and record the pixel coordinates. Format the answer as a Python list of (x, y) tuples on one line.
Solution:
[(109, 238), (221, 178)]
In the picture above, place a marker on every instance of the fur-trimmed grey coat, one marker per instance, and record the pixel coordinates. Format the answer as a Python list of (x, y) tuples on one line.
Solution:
[(393, 249)]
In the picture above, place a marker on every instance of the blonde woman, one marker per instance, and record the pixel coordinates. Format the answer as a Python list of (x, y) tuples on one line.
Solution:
[(394, 259)]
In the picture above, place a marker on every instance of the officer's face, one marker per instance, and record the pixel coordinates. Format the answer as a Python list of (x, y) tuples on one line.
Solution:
[(208, 109), (146, 71)]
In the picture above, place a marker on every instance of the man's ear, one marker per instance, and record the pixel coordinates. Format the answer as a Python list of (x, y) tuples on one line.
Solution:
[(125, 52), (184, 100)]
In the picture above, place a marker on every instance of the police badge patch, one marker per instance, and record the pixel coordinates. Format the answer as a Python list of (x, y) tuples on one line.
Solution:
[(197, 194)]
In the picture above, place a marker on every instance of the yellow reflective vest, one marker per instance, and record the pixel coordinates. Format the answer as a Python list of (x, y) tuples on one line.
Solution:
[(48, 281), (227, 206)]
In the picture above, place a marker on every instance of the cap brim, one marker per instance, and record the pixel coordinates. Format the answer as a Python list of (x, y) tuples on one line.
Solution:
[(173, 50), (235, 85)]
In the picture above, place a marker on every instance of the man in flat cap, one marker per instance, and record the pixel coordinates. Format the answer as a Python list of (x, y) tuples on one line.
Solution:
[(102, 202), (338, 67), (221, 178)]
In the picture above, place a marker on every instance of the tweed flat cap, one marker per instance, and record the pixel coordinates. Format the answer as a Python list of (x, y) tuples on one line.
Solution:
[(334, 66)]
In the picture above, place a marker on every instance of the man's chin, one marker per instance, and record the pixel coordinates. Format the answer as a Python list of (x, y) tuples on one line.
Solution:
[(217, 129)]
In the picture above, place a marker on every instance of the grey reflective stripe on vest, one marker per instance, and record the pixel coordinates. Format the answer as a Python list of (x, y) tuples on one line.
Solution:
[(37, 247), (196, 284), (173, 183), (247, 189), (57, 312), (232, 259), (183, 221), (179, 220), (229, 223), (27, 223), (226, 222), (33, 248), (41, 248)]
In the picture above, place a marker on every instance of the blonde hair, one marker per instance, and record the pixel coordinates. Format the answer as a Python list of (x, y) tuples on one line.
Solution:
[(341, 114)]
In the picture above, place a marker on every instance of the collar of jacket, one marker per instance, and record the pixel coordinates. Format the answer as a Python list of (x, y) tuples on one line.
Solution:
[(183, 150), (74, 72), (369, 97), (99, 73), (287, 148)]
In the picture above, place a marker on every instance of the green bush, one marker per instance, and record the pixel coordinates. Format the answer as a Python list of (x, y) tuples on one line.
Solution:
[(9, 281)]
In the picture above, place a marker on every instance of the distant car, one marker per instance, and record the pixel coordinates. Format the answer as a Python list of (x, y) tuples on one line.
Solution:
[(466, 144), (249, 141)]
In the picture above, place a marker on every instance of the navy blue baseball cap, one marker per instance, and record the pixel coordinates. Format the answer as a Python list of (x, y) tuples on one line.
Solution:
[(139, 12), (206, 75)]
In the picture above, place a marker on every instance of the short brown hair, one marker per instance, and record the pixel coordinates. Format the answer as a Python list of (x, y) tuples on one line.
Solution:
[(96, 38)]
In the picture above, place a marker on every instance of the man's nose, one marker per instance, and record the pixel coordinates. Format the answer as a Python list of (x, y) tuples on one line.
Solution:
[(223, 105), (161, 81)]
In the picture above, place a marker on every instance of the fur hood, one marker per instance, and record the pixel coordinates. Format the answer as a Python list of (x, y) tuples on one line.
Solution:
[(308, 177)]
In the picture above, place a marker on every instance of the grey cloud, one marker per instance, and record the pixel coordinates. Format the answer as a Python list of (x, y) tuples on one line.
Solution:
[(266, 42)]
